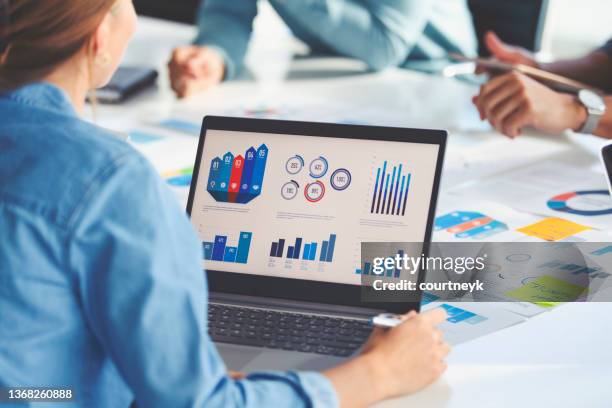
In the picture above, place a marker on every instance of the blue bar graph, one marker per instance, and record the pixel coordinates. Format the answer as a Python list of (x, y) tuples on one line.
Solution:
[(323, 257), (244, 244), (313, 251), (297, 248), (390, 190), (207, 249), (330, 247), (218, 250), (308, 252), (230, 254), (390, 273)]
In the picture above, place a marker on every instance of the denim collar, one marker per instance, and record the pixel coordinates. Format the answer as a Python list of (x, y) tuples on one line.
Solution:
[(42, 95)]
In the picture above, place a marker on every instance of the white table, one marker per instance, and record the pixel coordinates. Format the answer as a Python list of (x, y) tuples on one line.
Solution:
[(562, 358)]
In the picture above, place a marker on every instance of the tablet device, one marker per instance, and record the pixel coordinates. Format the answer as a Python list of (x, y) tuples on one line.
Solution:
[(557, 82), (126, 82), (606, 156)]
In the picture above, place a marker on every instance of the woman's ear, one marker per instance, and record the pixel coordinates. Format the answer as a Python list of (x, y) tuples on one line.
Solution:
[(98, 46)]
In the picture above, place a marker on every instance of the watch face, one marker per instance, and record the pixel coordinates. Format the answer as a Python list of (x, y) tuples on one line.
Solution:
[(591, 100)]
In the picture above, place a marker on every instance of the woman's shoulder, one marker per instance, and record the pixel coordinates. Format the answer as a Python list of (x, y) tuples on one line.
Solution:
[(54, 162)]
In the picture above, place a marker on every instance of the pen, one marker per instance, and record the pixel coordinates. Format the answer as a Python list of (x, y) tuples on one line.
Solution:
[(386, 320)]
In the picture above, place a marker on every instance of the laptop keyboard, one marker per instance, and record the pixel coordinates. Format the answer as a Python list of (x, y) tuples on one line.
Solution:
[(288, 331)]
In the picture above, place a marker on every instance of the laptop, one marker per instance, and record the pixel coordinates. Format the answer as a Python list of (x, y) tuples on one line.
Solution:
[(281, 208)]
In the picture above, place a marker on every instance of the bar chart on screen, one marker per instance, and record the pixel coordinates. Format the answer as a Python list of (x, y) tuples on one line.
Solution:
[(391, 189), (388, 272), (221, 250), (303, 250)]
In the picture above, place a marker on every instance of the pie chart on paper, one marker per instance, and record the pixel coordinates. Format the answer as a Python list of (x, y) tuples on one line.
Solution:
[(587, 203)]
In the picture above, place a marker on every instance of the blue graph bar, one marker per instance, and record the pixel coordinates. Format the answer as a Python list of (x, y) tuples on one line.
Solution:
[(461, 317), (219, 248), (281, 247), (313, 251), (384, 202), (330, 248), (391, 190), (230, 254), (244, 244), (306, 254), (290, 252), (297, 248), (602, 251), (323, 255), (399, 172), (375, 190), (207, 250), (274, 249), (382, 180), (406, 194), (399, 202)]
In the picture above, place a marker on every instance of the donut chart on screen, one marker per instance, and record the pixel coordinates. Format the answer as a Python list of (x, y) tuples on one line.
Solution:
[(562, 203)]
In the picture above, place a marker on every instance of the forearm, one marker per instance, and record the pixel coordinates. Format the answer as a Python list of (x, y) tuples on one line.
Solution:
[(593, 69), (227, 26), (379, 33), (356, 382)]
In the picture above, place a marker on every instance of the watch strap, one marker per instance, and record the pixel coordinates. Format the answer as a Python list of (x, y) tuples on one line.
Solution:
[(592, 121)]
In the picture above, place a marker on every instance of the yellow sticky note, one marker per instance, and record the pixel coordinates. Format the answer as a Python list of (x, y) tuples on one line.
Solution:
[(547, 291), (553, 229)]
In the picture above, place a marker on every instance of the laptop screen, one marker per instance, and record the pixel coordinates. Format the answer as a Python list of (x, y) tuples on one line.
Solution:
[(299, 207)]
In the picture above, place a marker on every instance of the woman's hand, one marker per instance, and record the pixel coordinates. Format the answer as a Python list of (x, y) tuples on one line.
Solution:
[(194, 69), (512, 101), (508, 53), (394, 362)]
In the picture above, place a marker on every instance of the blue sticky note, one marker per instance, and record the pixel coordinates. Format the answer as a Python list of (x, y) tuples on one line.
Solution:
[(182, 126), (143, 138)]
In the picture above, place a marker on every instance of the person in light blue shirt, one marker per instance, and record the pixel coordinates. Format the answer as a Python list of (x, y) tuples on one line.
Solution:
[(381, 33), (101, 288)]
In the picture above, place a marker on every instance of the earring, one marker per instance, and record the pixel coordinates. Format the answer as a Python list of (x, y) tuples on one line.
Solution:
[(103, 59)]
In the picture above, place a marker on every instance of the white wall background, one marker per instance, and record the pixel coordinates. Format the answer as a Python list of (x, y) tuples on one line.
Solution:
[(575, 26)]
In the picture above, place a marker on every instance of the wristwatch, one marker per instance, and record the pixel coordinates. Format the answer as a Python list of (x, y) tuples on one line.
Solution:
[(596, 108)]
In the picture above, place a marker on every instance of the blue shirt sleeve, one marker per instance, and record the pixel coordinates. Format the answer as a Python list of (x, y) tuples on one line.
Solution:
[(380, 33), (137, 268), (227, 27), (607, 48)]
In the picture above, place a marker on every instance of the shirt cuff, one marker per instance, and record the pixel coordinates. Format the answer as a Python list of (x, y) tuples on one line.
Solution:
[(319, 388)]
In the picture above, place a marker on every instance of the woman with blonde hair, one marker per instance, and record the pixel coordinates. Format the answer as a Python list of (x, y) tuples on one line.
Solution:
[(101, 289)]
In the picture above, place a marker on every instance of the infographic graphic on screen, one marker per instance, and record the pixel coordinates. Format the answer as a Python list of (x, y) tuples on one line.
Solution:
[(238, 179), (390, 195), (325, 254), (299, 206)]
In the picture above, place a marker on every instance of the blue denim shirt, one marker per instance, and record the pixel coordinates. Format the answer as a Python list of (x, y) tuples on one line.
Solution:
[(382, 33), (101, 287)]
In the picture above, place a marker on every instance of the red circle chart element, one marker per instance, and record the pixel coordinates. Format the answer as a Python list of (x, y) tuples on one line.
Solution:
[(314, 192)]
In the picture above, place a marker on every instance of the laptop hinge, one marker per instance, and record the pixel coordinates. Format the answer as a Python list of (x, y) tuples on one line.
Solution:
[(293, 306)]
